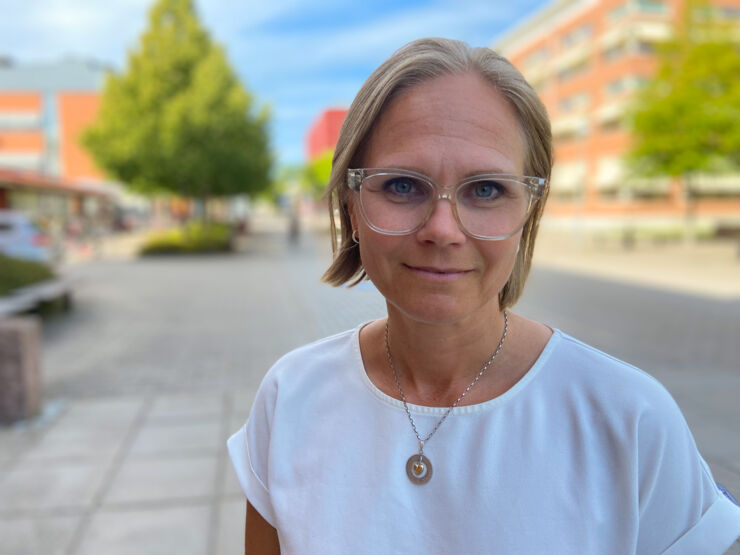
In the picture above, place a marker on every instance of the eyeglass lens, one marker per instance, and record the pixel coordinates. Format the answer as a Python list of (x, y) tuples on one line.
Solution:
[(487, 207)]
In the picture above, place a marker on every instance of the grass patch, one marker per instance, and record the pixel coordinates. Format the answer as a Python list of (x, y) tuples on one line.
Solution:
[(16, 273), (195, 237)]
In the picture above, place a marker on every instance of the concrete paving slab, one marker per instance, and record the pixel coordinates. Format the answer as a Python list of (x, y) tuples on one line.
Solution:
[(17, 438), (237, 420), (230, 483), (230, 533), (109, 412), (241, 399), (76, 441), (142, 479), (181, 530), (37, 485), (186, 406), (178, 437), (14, 443), (26, 536)]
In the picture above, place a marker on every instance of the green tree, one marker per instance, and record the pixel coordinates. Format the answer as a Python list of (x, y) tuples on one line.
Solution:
[(317, 173), (685, 120), (178, 119)]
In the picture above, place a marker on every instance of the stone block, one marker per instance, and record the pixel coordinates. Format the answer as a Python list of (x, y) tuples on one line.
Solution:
[(20, 379)]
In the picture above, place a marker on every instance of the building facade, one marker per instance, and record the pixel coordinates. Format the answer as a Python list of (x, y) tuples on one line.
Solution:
[(324, 132), (44, 170), (586, 59)]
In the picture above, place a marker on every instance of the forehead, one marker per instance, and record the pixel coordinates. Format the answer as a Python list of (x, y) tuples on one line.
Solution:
[(456, 124)]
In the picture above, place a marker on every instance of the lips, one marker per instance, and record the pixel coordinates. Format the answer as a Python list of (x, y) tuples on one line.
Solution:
[(438, 274), (438, 270)]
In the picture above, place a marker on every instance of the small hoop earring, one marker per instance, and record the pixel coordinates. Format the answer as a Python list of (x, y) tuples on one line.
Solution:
[(355, 236)]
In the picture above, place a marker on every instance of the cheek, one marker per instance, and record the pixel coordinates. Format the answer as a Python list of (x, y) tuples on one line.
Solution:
[(501, 258), (378, 252)]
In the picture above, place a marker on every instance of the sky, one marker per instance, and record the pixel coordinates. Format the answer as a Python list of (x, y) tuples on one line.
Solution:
[(296, 56)]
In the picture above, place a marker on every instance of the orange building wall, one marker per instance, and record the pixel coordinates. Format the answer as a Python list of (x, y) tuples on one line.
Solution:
[(21, 141), (76, 112), (26, 102), (29, 141)]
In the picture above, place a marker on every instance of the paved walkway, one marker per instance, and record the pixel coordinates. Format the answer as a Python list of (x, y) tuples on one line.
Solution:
[(709, 268), (128, 456)]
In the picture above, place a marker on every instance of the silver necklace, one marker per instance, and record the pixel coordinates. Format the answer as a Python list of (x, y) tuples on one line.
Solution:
[(418, 466)]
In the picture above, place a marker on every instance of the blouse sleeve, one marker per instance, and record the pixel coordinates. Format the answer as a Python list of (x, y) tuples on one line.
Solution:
[(681, 509), (249, 451)]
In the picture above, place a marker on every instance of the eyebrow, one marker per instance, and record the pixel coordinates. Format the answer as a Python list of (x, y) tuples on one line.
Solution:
[(465, 176)]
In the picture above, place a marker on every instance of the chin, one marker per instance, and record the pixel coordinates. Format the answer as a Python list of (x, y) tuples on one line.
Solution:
[(439, 309)]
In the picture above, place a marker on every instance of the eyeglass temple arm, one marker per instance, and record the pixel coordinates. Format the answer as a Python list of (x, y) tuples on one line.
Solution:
[(354, 179)]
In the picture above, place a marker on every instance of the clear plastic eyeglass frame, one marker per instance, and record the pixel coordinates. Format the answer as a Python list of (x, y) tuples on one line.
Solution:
[(535, 186)]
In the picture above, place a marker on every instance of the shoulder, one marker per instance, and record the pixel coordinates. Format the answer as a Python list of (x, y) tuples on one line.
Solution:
[(315, 356), (599, 391), (576, 363), (301, 371)]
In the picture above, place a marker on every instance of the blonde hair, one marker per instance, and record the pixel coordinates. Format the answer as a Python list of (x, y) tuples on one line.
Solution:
[(415, 63)]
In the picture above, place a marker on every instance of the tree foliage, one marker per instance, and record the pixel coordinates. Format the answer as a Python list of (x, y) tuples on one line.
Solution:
[(685, 120), (178, 119), (317, 173)]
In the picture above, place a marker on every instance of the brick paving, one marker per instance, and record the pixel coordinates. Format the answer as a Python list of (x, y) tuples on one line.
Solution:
[(159, 361)]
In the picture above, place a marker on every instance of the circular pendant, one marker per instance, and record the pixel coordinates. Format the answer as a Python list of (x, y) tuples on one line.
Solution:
[(419, 469)]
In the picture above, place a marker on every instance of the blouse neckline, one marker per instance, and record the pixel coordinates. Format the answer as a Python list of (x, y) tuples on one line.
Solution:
[(551, 345)]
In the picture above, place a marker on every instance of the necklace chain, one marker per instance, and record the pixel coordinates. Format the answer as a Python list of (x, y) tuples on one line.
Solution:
[(465, 392)]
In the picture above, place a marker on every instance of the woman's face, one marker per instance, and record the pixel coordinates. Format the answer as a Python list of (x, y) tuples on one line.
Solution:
[(448, 128)]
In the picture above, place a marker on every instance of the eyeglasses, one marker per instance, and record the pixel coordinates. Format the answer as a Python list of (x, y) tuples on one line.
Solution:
[(488, 206)]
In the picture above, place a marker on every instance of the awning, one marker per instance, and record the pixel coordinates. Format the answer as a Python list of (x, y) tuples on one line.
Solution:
[(17, 179)]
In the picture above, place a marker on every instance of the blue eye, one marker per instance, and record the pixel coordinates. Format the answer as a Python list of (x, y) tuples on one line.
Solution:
[(486, 189), (400, 186)]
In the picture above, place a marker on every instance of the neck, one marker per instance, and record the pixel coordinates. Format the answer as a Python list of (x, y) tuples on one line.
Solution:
[(436, 362)]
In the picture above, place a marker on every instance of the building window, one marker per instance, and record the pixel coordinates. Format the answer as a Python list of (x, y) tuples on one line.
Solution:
[(577, 35), (19, 120), (616, 87), (651, 6), (615, 52), (609, 126), (624, 84), (617, 14), (573, 71), (537, 57), (644, 47), (575, 102)]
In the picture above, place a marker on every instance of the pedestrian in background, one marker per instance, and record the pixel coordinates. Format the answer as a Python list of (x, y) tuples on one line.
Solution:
[(455, 425)]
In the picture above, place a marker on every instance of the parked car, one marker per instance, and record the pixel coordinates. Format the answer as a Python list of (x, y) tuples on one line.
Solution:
[(21, 238)]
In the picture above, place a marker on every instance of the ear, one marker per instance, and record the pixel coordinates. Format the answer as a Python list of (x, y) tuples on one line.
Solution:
[(351, 207)]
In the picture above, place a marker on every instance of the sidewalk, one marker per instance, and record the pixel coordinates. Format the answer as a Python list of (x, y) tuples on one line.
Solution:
[(708, 268), (123, 475)]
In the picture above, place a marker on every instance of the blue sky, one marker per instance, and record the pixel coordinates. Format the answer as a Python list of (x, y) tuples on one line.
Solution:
[(298, 57)]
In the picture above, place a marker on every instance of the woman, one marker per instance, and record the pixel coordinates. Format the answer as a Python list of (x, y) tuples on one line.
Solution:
[(454, 425)]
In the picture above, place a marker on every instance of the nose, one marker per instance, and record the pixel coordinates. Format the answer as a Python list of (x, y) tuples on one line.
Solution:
[(442, 228)]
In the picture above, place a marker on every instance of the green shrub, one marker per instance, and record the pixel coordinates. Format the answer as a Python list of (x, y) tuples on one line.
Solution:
[(16, 273), (195, 237)]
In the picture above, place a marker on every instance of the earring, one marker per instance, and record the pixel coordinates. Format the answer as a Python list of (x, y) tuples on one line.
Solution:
[(355, 236)]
